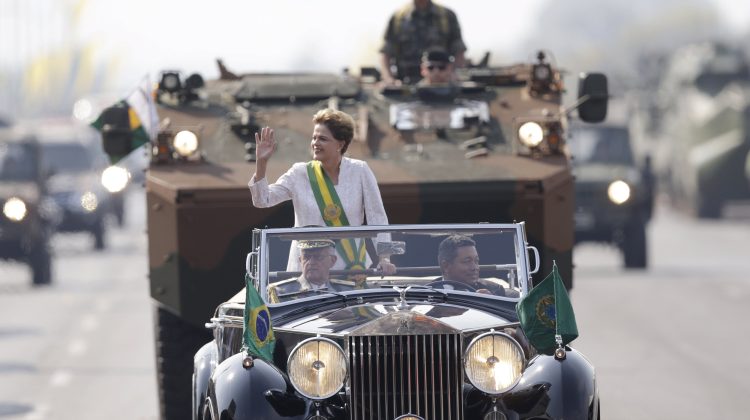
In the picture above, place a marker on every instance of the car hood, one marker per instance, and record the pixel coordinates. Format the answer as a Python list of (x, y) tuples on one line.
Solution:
[(606, 173), (388, 319), (27, 191)]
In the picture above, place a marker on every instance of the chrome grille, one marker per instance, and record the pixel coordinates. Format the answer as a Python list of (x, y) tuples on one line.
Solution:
[(406, 374)]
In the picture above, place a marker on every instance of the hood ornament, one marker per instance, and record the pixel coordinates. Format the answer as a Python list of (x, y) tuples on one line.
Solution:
[(402, 296)]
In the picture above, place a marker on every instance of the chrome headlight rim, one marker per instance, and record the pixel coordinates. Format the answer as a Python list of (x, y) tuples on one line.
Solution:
[(519, 351), (619, 192), (185, 143), (334, 390), (15, 209), (530, 134)]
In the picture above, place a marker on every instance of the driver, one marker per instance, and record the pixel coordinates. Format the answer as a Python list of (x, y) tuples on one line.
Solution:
[(316, 258), (459, 263)]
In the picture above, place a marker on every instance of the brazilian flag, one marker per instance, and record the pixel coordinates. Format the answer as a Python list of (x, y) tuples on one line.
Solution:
[(258, 338), (546, 312)]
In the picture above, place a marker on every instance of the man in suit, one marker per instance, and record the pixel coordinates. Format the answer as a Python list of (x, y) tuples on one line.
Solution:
[(459, 263)]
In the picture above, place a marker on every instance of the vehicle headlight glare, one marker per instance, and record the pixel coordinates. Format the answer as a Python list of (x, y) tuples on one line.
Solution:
[(115, 178), (15, 209), (619, 192), (185, 143), (317, 368), (531, 134), (89, 202), (494, 362)]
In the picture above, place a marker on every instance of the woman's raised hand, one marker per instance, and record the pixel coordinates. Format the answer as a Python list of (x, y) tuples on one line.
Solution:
[(265, 144)]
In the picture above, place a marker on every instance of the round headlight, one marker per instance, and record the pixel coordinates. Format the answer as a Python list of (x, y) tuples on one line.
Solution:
[(618, 192), (115, 178), (531, 134), (317, 368), (14, 209), (89, 202), (494, 362), (185, 143)]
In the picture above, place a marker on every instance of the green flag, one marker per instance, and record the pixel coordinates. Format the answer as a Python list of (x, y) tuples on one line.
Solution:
[(258, 338), (546, 312), (134, 116)]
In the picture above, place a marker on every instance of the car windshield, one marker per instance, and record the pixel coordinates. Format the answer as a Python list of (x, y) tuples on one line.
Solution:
[(66, 158), (17, 162), (299, 263), (608, 145)]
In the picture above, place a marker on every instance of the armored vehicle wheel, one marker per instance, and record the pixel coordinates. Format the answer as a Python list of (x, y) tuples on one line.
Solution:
[(634, 244), (98, 232), (41, 266), (176, 344)]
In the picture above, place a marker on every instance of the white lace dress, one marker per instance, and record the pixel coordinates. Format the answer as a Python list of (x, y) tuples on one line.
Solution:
[(357, 189)]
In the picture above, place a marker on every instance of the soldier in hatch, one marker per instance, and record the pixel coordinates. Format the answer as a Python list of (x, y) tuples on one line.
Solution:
[(436, 68), (316, 259), (415, 28)]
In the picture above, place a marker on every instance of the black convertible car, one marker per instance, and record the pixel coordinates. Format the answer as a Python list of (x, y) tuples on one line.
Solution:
[(409, 345)]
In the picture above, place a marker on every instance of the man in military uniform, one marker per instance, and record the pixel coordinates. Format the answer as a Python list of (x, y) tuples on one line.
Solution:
[(418, 27), (459, 263), (316, 259), (436, 68)]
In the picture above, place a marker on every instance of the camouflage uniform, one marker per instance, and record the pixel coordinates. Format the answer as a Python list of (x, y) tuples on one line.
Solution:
[(411, 31)]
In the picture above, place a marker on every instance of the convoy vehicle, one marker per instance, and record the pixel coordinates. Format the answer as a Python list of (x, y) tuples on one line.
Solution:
[(27, 220), (614, 196), (73, 157), (701, 119), (488, 148), (407, 345)]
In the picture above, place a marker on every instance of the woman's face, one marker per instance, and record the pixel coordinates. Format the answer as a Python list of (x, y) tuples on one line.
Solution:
[(324, 146)]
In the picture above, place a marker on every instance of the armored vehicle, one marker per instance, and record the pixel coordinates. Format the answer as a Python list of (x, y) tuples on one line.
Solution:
[(489, 148), (614, 196), (703, 127), (26, 222)]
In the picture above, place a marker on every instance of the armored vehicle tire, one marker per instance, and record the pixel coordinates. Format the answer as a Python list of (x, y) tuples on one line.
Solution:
[(41, 267), (176, 344), (634, 244)]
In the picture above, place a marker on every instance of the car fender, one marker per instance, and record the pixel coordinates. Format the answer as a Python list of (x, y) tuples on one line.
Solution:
[(569, 384), (257, 392), (204, 364)]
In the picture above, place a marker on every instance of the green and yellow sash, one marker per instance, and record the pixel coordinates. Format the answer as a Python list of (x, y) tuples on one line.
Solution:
[(333, 214)]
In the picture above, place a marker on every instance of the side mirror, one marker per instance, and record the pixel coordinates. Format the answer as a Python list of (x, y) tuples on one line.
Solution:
[(593, 95), (117, 137)]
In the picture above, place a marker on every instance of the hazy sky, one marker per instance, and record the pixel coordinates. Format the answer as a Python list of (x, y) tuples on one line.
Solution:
[(276, 35)]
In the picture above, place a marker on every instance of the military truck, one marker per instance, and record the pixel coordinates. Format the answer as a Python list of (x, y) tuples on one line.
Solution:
[(701, 119), (27, 220), (490, 148)]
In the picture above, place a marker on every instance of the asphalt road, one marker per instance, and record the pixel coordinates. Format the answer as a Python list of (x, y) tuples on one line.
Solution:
[(668, 342)]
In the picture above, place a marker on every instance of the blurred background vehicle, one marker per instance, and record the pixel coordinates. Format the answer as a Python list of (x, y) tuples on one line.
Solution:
[(614, 195), (27, 220), (73, 157), (700, 119)]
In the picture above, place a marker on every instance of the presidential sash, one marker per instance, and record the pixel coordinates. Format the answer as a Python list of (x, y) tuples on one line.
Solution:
[(333, 214)]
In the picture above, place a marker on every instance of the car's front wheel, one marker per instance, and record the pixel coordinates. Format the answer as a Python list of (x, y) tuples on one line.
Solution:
[(40, 262), (634, 248)]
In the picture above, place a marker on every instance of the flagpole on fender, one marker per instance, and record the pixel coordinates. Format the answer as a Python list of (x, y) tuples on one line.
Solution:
[(560, 350)]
